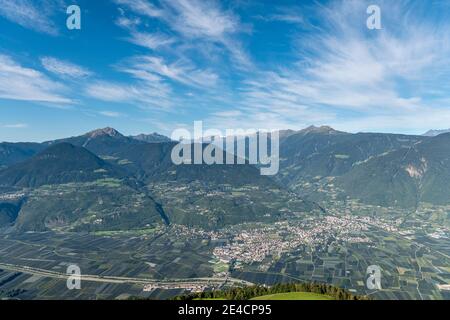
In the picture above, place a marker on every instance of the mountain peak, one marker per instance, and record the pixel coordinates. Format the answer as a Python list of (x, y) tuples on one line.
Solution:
[(321, 129), (111, 132), (152, 138)]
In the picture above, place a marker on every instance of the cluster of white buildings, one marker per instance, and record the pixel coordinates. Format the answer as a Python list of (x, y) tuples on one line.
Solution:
[(11, 196), (254, 245)]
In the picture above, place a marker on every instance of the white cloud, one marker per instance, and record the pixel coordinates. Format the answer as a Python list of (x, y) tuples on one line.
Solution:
[(151, 85), (110, 114), (31, 15), (353, 78), (16, 126), (64, 68), (204, 21), (180, 71), (145, 94), (192, 18), (292, 15), (366, 70), (26, 84), (128, 23), (150, 40), (108, 91), (142, 7)]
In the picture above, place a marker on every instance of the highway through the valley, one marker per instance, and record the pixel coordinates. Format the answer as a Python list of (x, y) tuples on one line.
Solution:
[(116, 279)]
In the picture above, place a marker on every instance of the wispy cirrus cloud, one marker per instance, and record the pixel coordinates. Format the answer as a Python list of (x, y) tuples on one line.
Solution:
[(25, 84), (208, 21), (145, 94), (204, 21), (127, 23), (354, 78), (151, 40), (170, 63), (64, 68), (152, 82), (142, 7), (32, 15), (15, 126), (291, 15), (350, 67), (180, 71), (195, 18), (111, 114), (192, 18)]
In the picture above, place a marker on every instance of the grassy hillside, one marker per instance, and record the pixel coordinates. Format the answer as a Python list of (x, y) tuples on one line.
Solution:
[(281, 291)]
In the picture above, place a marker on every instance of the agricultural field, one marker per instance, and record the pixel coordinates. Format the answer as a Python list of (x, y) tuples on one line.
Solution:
[(154, 257), (410, 269), (163, 262)]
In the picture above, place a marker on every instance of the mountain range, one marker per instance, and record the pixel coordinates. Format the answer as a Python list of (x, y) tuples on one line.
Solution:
[(103, 180), (434, 133)]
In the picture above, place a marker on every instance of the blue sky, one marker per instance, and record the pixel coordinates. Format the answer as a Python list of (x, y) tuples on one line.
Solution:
[(149, 65)]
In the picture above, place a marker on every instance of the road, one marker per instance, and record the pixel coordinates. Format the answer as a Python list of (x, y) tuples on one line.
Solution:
[(114, 279)]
